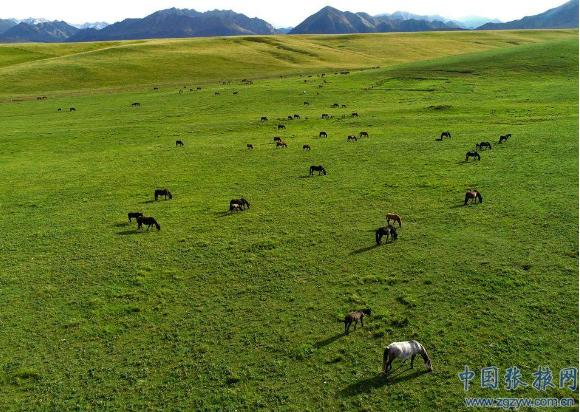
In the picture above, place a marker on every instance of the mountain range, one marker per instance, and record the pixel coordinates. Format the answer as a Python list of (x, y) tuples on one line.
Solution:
[(178, 23)]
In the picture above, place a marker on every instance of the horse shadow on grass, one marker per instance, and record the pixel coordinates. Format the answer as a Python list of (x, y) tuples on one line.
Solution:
[(304, 177), (129, 232), (328, 341), (367, 385), (123, 224), (148, 201)]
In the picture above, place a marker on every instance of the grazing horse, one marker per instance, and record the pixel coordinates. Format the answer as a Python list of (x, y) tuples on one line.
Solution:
[(306, 103), (290, 118), (355, 317), (394, 217), (134, 215), (445, 134), (323, 134), (354, 114), (216, 93), (281, 126), (297, 116), (148, 221), (263, 119), (236, 207), (235, 92), (363, 134), (386, 231), (473, 154), (335, 105), (474, 196), (325, 116), (156, 88), (243, 203), (277, 138), (320, 169), (504, 138), (482, 145), (281, 143), (250, 146), (178, 143), (405, 350), (343, 106), (136, 104), (59, 109), (351, 138), (306, 147), (163, 192), (72, 109)]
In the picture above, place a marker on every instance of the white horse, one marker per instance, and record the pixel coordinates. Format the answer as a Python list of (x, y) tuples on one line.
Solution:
[(404, 350)]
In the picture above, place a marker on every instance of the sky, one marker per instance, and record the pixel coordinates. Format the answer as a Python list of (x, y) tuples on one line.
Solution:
[(278, 13)]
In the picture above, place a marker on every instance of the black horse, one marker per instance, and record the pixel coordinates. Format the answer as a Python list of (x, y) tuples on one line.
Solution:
[(250, 146), (306, 147), (281, 126), (136, 104), (320, 169), (297, 116), (178, 143), (386, 231), (351, 138), (163, 192), (134, 215), (72, 109), (290, 117), (363, 134), (483, 145), (504, 138), (323, 134), (263, 119), (147, 221), (354, 114), (325, 116), (243, 203), (473, 154), (445, 134)]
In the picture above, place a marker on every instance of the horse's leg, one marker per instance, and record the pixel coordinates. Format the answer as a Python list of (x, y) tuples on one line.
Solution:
[(362, 324), (346, 327), (412, 360), (355, 323)]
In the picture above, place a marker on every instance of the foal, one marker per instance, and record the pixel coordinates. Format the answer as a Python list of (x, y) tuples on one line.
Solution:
[(355, 317), (404, 350), (394, 217)]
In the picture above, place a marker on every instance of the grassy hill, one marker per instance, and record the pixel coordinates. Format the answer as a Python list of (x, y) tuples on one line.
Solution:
[(242, 311), (51, 68)]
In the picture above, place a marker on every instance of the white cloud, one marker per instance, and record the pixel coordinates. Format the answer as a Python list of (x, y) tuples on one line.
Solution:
[(278, 13)]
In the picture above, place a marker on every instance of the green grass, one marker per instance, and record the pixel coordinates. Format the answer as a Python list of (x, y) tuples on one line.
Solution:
[(241, 311)]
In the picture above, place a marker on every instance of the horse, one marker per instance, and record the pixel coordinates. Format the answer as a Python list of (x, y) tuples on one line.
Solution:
[(504, 138), (178, 143), (445, 134), (473, 154), (244, 204), (134, 215), (277, 138), (335, 105), (351, 138), (404, 350), (163, 192), (72, 109), (250, 146), (59, 109), (386, 231), (236, 207), (394, 217), (363, 134), (263, 119), (235, 93), (281, 143), (354, 114), (320, 169), (306, 104), (306, 147), (474, 196), (297, 116), (156, 88), (482, 145), (325, 116), (290, 118), (281, 126), (322, 134), (355, 317), (148, 221), (216, 93), (343, 106), (136, 104)]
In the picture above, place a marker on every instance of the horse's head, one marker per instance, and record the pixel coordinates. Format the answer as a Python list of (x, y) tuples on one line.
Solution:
[(169, 194), (366, 311)]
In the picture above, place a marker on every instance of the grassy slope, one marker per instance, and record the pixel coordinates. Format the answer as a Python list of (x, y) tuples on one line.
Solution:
[(241, 311), (33, 68)]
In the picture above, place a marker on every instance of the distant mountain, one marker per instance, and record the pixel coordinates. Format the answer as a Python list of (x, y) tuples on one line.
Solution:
[(333, 21), (96, 25), (284, 30), (561, 17), (471, 22), (45, 32), (173, 23), (6, 24)]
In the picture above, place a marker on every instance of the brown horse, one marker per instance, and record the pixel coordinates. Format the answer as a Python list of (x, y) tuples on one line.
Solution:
[(474, 196), (355, 317), (281, 143), (394, 217)]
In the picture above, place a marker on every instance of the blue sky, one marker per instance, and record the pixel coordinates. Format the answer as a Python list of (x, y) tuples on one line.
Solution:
[(280, 14)]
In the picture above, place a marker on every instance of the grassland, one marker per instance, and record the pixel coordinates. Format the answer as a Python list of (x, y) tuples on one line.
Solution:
[(241, 311)]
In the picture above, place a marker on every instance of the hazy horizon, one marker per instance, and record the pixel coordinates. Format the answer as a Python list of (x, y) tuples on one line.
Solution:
[(111, 12)]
